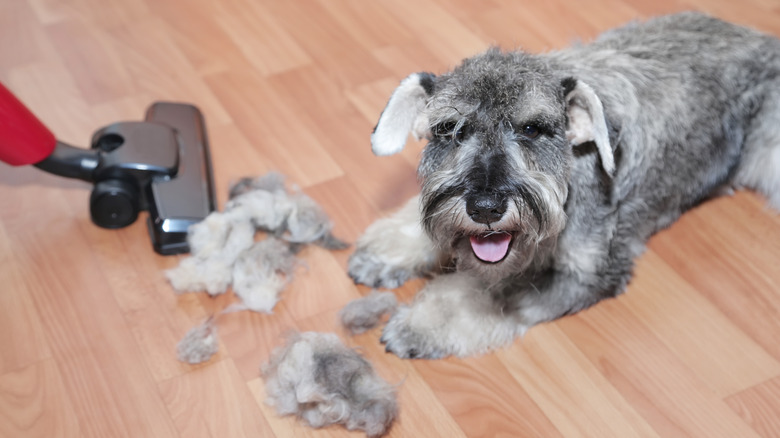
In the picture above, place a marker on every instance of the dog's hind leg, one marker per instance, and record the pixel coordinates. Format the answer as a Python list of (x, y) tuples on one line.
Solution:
[(393, 250), (759, 168)]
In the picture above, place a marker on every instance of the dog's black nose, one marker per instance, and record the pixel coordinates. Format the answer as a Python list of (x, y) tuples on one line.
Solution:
[(486, 208)]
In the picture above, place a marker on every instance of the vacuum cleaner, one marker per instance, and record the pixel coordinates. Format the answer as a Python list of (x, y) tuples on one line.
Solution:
[(160, 165)]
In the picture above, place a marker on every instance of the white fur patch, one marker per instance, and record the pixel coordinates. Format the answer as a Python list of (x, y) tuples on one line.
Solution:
[(587, 123), (760, 170), (401, 117), (411, 251), (452, 315), (261, 273)]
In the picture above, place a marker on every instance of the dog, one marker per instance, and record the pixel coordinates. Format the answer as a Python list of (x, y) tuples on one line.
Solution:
[(544, 175)]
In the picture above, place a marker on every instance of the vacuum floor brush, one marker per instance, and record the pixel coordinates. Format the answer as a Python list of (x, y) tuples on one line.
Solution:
[(161, 165)]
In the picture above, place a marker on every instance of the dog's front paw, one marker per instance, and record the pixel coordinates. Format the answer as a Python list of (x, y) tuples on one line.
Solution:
[(406, 342), (372, 270)]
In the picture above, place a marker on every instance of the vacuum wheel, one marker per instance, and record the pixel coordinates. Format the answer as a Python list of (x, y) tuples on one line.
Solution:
[(114, 204)]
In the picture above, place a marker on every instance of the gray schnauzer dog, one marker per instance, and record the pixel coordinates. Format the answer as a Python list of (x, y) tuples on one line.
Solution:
[(545, 175)]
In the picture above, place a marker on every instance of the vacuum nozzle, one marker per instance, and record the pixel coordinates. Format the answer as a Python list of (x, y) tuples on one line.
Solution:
[(189, 196), (161, 164)]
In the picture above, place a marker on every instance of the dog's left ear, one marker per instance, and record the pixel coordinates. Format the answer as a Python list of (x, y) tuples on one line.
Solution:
[(403, 115), (587, 121)]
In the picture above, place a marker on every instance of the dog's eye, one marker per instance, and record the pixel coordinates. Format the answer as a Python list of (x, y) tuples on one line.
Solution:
[(443, 129), (531, 131), (450, 130)]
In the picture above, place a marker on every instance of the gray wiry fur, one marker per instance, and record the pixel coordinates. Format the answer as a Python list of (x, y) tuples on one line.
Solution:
[(270, 182), (308, 222), (297, 218), (365, 313), (262, 272), (219, 241), (323, 382), (215, 244), (199, 344), (581, 155)]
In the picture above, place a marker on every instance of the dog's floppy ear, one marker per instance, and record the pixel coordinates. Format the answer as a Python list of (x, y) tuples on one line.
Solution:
[(403, 115), (587, 121)]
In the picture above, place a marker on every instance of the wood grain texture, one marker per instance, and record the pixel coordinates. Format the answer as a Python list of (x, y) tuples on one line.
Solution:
[(34, 403), (758, 406), (18, 315), (90, 325), (213, 401), (580, 401)]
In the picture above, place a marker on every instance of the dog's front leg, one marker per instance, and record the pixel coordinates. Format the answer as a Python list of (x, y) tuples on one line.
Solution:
[(455, 314), (393, 250), (452, 315)]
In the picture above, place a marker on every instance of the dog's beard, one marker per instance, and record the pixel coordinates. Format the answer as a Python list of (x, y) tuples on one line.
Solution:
[(522, 238)]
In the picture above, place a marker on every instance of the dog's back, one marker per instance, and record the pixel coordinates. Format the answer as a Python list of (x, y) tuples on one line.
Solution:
[(681, 36), (693, 103)]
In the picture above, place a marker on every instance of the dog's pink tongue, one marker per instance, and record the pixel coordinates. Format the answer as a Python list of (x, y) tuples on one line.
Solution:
[(491, 248)]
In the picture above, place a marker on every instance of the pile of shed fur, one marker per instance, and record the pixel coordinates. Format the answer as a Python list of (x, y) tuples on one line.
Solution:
[(314, 376), (224, 251)]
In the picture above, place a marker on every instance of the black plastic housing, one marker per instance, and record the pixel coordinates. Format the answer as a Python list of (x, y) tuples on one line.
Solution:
[(162, 165), (188, 197)]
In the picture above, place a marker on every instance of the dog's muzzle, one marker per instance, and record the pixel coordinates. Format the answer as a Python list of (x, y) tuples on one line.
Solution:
[(488, 208)]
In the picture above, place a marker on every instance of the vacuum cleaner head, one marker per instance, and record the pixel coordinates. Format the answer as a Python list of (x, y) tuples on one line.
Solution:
[(189, 196), (161, 164)]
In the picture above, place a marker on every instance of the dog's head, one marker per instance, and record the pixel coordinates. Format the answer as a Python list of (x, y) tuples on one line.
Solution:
[(495, 172)]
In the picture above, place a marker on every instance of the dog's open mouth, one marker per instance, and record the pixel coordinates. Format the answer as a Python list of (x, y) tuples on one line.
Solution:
[(491, 247)]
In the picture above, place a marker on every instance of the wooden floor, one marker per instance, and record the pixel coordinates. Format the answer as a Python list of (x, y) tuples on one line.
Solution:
[(88, 324)]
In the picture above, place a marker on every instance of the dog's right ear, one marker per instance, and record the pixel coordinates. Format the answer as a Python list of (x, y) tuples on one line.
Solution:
[(403, 115)]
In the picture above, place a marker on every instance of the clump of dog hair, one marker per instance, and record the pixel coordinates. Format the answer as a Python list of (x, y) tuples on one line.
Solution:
[(199, 344), (365, 313), (331, 242), (267, 211), (299, 218), (321, 381), (307, 221), (220, 240), (223, 252), (270, 182), (262, 272), (216, 243)]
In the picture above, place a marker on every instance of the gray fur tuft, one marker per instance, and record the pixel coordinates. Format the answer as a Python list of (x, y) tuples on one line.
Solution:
[(365, 313), (199, 343), (321, 381)]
